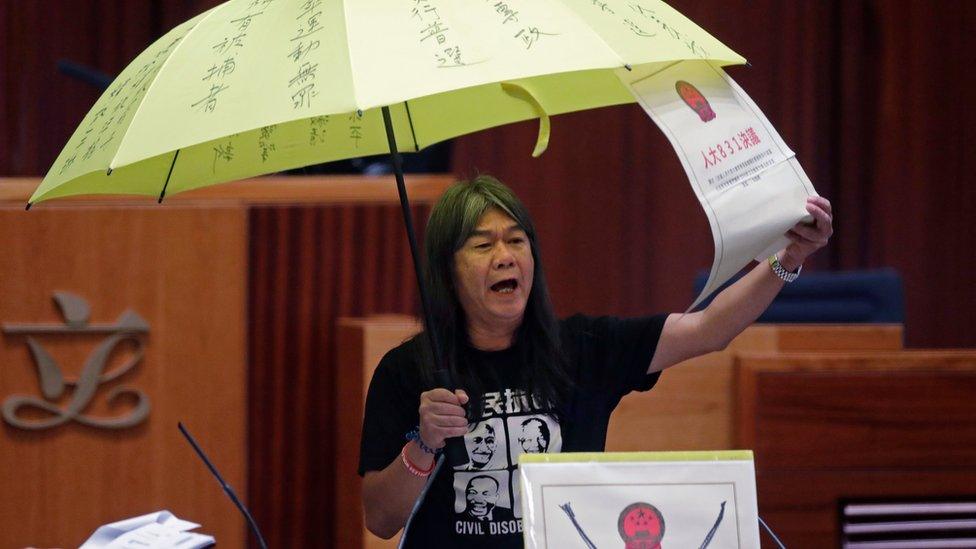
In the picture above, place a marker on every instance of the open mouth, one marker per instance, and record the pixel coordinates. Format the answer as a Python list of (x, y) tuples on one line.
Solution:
[(506, 286)]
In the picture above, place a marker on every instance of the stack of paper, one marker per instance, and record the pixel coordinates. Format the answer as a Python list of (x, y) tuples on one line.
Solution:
[(153, 531)]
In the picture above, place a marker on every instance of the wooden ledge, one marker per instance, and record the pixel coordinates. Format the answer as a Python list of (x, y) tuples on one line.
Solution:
[(333, 189), (846, 361)]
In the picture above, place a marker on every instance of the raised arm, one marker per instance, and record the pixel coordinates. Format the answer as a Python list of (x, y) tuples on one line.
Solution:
[(739, 305)]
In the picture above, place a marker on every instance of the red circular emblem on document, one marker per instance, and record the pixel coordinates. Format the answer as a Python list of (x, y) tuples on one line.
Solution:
[(641, 526), (695, 99)]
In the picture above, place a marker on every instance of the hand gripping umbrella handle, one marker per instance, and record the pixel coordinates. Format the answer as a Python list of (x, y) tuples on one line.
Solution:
[(454, 451)]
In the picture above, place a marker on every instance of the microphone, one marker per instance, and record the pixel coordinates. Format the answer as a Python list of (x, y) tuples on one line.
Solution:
[(227, 489), (770, 532), (87, 75)]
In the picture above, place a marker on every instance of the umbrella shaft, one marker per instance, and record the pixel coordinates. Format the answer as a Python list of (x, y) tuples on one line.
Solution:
[(412, 237)]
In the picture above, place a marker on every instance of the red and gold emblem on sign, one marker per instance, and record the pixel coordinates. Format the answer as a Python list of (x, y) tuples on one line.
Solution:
[(695, 99), (641, 526)]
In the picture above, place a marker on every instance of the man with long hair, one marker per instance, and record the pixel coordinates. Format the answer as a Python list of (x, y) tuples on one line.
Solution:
[(518, 366)]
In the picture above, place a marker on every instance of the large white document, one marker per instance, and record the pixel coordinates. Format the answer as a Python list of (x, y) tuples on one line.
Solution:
[(639, 500), (747, 179)]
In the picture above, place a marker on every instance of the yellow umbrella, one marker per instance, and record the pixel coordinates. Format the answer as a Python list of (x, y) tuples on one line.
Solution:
[(259, 86)]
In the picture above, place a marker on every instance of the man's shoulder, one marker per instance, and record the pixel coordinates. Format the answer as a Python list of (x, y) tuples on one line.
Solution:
[(408, 349), (577, 325), (404, 358), (588, 324)]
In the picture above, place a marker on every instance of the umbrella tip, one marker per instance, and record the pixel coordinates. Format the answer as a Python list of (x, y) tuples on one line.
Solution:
[(160, 199), (109, 172), (28, 206), (628, 67), (748, 64)]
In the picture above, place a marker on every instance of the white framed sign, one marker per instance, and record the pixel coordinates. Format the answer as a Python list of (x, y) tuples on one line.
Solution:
[(639, 500)]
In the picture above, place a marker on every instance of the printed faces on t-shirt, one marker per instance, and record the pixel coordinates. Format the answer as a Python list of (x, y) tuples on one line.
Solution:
[(486, 491)]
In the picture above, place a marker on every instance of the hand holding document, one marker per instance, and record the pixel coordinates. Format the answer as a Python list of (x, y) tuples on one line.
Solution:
[(748, 181), (153, 531)]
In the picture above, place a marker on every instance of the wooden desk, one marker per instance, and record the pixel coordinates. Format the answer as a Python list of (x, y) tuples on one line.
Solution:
[(830, 426), (693, 405)]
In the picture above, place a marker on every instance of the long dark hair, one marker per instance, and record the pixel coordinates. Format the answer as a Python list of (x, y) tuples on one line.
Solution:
[(452, 220)]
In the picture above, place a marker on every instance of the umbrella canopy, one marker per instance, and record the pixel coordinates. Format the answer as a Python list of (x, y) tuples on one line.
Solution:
[(258, 86)]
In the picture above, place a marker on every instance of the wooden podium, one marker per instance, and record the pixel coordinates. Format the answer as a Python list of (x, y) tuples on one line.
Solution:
[(163, 265), (203, 297), (362, 343)]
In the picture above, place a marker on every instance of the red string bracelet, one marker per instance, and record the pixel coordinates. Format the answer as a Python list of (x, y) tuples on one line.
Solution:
[(414, 469)]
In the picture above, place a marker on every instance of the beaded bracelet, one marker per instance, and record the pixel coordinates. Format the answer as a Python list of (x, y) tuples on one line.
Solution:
[(415, 436), (412, 467)]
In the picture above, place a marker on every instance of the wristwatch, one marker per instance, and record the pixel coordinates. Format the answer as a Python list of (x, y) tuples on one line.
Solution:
[(781, 272)]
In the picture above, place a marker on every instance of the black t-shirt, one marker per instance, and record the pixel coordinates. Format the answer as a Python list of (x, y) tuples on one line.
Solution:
[(479, 504)]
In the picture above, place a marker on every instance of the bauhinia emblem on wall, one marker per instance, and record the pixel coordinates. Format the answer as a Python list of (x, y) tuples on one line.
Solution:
[(32, 412)]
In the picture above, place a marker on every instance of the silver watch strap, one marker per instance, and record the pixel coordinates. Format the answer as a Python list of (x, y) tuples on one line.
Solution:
[(781, 272)]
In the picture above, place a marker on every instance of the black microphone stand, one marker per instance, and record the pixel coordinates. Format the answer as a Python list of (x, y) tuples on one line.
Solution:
[(227, 489)]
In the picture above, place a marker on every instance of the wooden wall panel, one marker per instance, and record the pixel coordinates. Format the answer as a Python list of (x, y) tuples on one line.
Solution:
[(317, 248), (311, 265), (840, 425), (693, 405), (363, 342), (181, 269), (803, 507)]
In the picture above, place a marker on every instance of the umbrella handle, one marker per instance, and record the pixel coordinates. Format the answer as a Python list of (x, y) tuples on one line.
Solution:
[(454, 451)]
